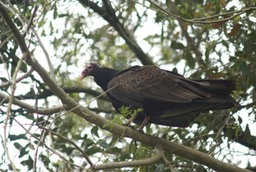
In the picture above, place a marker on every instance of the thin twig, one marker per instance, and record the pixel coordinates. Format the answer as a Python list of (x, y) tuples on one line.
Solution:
[(30, 22), (7, 39), (18, 79), (8, 112), (172, 169), (37, 148), (46, 54), (223, 125)]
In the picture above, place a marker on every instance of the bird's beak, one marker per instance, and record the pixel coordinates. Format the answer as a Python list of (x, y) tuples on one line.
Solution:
[(81, 77), (84, 74)]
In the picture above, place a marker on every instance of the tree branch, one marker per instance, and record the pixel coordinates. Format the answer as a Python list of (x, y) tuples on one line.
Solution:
[(136, 163), (108, 13), (43, 111)]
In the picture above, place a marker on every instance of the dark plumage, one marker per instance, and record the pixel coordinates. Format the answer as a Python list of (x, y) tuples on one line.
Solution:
[(166, 98)]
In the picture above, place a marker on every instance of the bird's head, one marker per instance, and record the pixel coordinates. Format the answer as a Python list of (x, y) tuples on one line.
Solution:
[(89, 70)]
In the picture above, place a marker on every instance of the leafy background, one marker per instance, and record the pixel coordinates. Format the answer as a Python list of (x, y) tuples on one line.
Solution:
[(200, 39)]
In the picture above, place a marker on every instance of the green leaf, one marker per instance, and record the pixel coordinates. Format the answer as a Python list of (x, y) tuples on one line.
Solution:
[(23, 151), (62, 15), (115, 150), (3, 79), (93, 150), (244, 68), (159, 168), (94, 131), (88, 143), (45, 159), (17, 137), (240, 120), (103, 144), (190, 60), (28, 163), (247, 133), (55, 12), (17, 145), (177, 45), (68, 150)]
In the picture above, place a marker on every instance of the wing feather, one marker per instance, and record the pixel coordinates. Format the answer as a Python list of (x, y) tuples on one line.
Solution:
[(135, 85)]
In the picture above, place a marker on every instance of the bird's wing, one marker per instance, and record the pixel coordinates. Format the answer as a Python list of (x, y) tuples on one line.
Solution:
[(136, 85)]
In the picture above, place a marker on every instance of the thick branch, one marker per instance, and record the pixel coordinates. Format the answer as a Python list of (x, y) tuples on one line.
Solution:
[(109, 126), (108, 13)]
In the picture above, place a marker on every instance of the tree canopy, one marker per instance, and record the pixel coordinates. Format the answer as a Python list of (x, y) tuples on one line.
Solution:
[(52, 121)]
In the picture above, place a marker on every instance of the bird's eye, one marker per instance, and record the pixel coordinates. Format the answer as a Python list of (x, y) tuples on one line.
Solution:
[(89, 67)]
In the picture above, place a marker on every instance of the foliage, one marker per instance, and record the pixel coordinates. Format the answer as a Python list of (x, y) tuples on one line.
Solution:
[(202, 39)]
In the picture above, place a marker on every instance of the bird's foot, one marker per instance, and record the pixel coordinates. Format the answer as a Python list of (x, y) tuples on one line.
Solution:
[(145, 121)]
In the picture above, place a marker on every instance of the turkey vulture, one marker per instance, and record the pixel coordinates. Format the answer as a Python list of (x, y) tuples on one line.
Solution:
[(165, 97)]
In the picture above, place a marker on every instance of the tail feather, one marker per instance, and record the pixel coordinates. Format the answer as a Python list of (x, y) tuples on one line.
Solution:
[(217, 86)]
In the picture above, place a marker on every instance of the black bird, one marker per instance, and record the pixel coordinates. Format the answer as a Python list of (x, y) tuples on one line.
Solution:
[(165, 97)]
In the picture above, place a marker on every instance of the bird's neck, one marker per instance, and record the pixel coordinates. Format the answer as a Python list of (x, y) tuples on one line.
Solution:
[(103, 76)]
